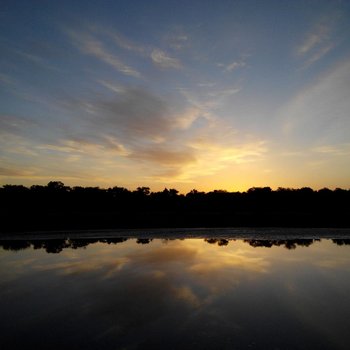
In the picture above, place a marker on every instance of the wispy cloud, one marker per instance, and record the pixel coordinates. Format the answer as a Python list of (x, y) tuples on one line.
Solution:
[(10, 124), (212, 148), (93, 39), (334, 150), (94, 47), (225, 92), (317, 42), (112, 86), (187, 118), (208, 96), (126, 44), (319, 54), (232, 66), (145, 130), (30, 57), (162, 59), (118, 38), (165, 155), (135, 113), (177, 40), (320, 112), (13, 172), (212, 158)]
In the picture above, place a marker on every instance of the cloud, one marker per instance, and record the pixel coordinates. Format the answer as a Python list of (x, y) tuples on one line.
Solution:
[(161, 59), (321, 110), (33, 58), (4, 171), (79, 147), (146, 129), (135, 124), (119, 39), (208, 97), (165, 155), (319, 54), (132, 129), (111, 86), (187, 118), (126, 44), (222, 93), (94, 47), (215, 148), (158, 56), (232, 66), (93, 41), (177, 39), (333, 150), (318, 35), (11, 124), (135, 113), (317, 42)]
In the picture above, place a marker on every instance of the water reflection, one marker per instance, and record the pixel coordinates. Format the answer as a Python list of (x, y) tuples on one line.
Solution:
[(175, 294), (220, 242), (288, 244), (341, 241), (57, 245)]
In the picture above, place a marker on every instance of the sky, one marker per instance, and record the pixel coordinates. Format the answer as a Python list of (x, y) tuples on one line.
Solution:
[(178, 94)]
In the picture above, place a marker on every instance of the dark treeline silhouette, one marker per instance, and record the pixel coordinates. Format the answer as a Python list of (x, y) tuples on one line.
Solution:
[(57, 245), (56, 206)]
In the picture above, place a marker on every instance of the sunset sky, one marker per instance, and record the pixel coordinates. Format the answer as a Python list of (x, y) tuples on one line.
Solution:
[(177, 94)]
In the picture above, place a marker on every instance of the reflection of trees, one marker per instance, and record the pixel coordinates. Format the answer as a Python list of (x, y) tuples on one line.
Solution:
[(288, 244), (14, 245), (56, 245), (341, 241), (223, 242), (51, 245), (220, 242), (144, 240), (113, 240)]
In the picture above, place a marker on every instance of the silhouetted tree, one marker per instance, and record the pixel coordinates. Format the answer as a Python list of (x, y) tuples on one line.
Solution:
[(57, 206)]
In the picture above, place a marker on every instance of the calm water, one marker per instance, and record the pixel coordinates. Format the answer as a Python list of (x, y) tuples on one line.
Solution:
[(175, 294)]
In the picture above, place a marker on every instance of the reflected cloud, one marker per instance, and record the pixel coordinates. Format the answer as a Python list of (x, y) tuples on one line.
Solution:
[(180, 290), (164, 254), (187, 295)]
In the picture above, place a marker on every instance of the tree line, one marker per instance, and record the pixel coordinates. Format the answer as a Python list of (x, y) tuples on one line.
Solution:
[(57, 206)]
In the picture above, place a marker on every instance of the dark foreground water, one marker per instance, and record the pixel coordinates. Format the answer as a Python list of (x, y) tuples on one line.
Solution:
[(175, 294)]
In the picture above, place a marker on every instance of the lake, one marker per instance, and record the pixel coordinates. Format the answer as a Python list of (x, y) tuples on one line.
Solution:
[(175, 293)]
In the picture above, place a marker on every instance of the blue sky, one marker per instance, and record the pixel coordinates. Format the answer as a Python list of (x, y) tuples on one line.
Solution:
[(184, 94)]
